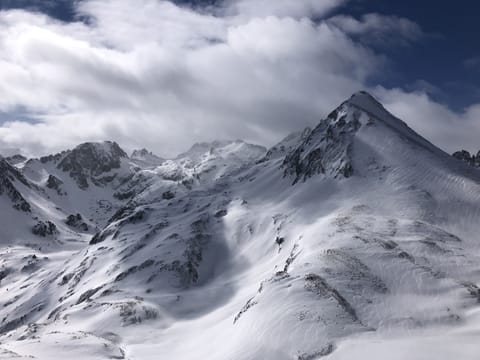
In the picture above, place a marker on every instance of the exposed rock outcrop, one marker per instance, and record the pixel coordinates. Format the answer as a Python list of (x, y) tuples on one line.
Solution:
[(469, 159), (8, 177), (89, 161)]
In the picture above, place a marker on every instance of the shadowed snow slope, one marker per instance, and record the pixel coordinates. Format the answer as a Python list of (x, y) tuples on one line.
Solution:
[(355, 239)]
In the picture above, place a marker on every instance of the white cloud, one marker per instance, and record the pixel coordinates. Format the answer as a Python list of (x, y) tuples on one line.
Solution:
[(291, 8), (379, 29), (162, 81), (150, 73), (436, 122), (128, 24)]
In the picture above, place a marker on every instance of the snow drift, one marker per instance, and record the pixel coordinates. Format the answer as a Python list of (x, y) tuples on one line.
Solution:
[(355, 239)]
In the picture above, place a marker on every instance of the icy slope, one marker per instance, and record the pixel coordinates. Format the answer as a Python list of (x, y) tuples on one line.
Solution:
[(345, 241)]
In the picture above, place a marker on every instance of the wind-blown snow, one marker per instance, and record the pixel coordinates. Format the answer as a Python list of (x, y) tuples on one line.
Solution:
[(356, 239)]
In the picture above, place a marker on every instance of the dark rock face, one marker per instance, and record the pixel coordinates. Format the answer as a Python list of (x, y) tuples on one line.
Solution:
[(32, 264), (132, 186), (55, 183), (44, 229), (124, 195), (472, 160), (168, 195), (76, 221), (8, 176), (50, 158), (139, 153), (87, 295), (280, 240), (16, 159), (101, 236), (326, 149), (89, 161), (146, 157), (221, 213)]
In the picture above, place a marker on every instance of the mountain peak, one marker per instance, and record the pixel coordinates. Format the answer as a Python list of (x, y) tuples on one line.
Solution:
[(201, 148), (198, 150), (217, 239), (145, 157), (363, 95), (328, 148), (368, 103), (91, 160), (16, 159), (108, 148), (140, 152)]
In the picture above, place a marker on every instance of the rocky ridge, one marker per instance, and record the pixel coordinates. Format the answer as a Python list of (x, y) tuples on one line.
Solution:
[(352, 229)]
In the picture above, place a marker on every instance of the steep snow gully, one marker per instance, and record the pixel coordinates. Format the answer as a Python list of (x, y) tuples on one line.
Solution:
[(357, 239)]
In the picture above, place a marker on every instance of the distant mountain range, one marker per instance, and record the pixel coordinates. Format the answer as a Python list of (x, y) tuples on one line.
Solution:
[(357, 239)]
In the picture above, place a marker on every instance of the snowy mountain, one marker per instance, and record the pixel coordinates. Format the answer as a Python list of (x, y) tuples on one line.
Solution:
[(354, 239), (146, 158), (16, 159)]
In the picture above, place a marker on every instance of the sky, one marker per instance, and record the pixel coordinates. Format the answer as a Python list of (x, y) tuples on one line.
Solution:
[(166, 74)]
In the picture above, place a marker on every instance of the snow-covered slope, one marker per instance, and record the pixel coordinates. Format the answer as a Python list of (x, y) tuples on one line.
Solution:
[(355, 239)]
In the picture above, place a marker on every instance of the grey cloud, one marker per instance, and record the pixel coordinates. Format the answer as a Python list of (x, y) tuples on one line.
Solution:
[(168, 92), (291, 8), (379, 29), (442, 126), (148, 73)]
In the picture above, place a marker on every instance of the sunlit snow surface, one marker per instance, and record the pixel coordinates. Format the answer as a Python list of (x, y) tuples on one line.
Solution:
[(219, 255)]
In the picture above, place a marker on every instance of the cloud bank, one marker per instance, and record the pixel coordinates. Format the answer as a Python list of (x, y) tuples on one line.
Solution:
[(149, 73)]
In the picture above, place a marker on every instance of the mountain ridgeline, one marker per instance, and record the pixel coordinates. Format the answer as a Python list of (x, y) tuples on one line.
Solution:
[(355, 234)]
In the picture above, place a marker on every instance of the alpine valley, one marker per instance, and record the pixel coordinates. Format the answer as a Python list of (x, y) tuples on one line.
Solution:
[(357, 239)]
